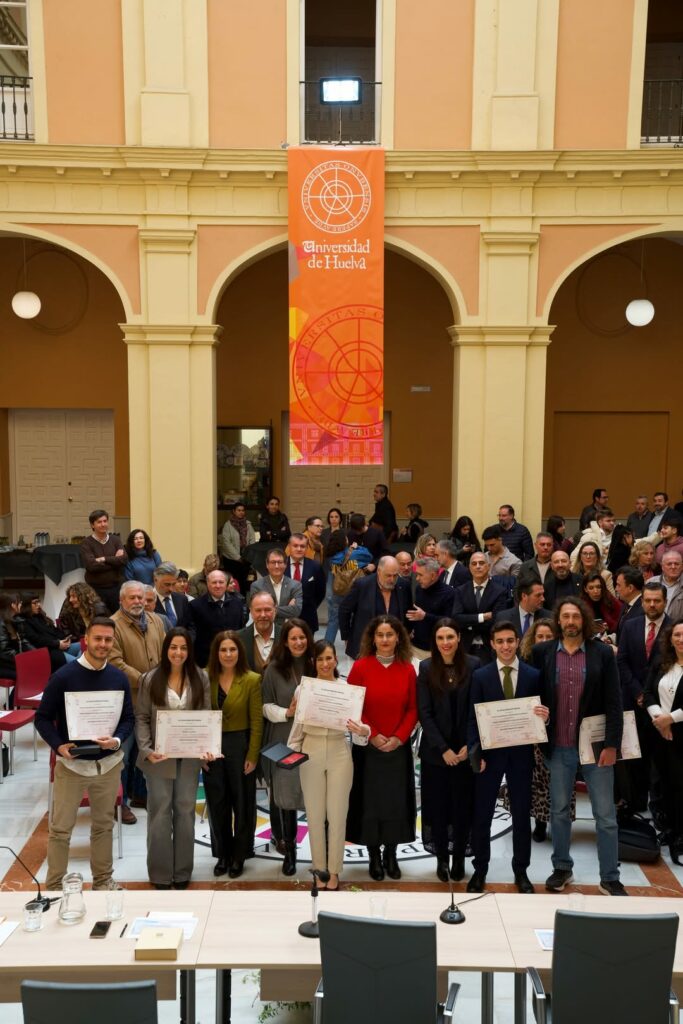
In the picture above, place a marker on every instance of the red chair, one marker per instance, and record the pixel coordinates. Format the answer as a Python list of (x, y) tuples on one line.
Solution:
[(85, 802), (10, 721), (33, 670)]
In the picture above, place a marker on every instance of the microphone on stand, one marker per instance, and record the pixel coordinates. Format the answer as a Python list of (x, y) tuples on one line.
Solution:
[(452, 914), (309, 929), (45, 901)]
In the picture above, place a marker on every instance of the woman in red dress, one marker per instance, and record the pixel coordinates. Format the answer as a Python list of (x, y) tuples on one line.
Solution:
[(382, 802)]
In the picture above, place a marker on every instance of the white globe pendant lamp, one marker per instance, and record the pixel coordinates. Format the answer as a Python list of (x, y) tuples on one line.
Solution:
[(640, 312), (26, 304)]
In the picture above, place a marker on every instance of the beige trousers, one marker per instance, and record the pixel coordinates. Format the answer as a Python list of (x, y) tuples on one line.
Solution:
[(68, 792), (326, 783)]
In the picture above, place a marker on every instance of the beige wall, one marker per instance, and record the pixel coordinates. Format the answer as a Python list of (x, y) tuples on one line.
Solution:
[(84, 72), (251, 376), (614, 415)]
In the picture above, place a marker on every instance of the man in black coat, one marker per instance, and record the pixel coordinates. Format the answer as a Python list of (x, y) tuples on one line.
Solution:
[(370, 537), (382, 593), (560, 581), (216, 611), (311, 576), (475, 605), (628, 584), (580, 680), (433, 600), (176, 607), (516, 536), (454, 572), (384, 515)]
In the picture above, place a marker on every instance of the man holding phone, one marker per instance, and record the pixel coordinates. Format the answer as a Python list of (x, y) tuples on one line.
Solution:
[(97, 769), (433, 600)]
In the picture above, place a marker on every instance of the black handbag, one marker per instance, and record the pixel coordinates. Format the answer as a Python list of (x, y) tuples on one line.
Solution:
[(638, 841)]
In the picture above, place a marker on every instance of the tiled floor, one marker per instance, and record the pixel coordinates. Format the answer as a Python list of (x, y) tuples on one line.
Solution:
[(23, 801)]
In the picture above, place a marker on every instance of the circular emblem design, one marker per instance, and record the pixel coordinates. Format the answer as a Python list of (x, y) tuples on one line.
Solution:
[(336, 196), (338, 372)]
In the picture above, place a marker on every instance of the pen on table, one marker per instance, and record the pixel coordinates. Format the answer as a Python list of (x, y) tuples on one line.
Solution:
[(123, 930)]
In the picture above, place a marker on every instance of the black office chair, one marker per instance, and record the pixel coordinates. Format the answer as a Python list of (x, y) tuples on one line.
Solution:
[(378, 971), (609, 967), (45, 1002)]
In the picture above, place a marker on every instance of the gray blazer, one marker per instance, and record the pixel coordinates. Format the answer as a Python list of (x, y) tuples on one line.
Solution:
[(146, 727), (290, 590)]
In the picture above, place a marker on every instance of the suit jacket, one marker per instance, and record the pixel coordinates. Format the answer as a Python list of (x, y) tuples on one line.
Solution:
[(182, 610), (629, 612), (652, 697), (632, 661), (247, 638), (528, 571), (601, 690), (556, 589), (459, 575), (313, 586), (466, 614), (289, 589), (146, 727), (435, 713), (515, 616), (437, 602), (363, 602), (209, 618), (486, 686)]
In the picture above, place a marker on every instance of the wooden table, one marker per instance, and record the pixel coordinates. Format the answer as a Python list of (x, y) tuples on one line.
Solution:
[(66, 952)]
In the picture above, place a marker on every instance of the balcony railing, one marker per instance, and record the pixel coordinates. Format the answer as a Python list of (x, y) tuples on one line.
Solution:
[(662, 123), (340, 122), (16, 108)]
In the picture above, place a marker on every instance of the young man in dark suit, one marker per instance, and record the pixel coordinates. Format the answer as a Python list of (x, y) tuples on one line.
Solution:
[(475, 605), (506, 678), (310, 575)]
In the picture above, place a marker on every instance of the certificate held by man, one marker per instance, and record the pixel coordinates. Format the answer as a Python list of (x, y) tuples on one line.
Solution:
[(188, 733), (510, 723), (328, 705), (92, 713)]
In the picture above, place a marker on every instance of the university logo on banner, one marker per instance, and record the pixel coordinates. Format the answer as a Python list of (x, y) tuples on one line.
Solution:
[(336, 306)]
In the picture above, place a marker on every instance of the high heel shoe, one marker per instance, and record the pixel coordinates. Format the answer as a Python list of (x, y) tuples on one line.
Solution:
[(289, 863), (375, 867)]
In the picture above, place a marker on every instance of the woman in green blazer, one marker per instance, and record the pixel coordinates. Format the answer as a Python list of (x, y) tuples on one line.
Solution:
[(230, 783)]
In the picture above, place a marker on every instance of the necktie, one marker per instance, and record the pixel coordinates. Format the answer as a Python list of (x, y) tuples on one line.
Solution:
[(508, 692), (526, 623), (477, 595), (170, 611), (650, 640), (297, 571)]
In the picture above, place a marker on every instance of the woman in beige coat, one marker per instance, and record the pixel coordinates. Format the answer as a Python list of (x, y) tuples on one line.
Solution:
[(176, 684)]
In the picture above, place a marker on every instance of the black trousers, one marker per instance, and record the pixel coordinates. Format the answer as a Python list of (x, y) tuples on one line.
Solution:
[(283, 824), (231, 800), (517, 766)]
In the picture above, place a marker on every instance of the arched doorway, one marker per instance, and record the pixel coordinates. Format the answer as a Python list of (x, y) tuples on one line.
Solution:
[(613, 394), (252, 385)]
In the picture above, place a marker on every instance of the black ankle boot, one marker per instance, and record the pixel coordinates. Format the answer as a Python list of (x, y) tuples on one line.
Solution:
[(375, 866), (458, 869), (676, 850), (289, 863), (442, 868), (390, 863)]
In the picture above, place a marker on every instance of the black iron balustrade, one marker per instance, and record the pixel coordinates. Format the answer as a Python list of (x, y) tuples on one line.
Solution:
[(15, 108), (662, 122), (340, 122)]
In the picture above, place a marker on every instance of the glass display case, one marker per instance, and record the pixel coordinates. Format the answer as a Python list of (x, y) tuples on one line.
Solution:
[(244, 459)]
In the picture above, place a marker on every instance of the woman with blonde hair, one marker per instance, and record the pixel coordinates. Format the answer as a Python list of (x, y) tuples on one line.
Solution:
[(587, 557), (642, 557)]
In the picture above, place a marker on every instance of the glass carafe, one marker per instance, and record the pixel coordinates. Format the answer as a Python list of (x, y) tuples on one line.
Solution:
[(72, 906)]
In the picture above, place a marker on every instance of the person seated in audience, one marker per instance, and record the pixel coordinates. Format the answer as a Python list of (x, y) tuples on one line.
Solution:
[(80, 607), (464, 536), (197, 585), (620, 548), (642, 557), (40, 631), (415, 526), (501, 562), (670, 532), (143, 557), (605, 609), (12, 639), (556, 527), (516, 536), (273, 525), (638, 523), (587, 557)]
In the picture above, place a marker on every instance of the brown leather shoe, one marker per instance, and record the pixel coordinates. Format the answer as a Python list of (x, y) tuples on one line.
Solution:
[(127, 816)]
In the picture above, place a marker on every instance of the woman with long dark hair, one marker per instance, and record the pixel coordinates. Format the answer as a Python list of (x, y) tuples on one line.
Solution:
[(12, 639), (663, 699), (230, 782), (443, 689), (291, 659), (606, 610), (556, 527), (176, 684), (143, 558), (80, 607), (464, 536), (40, 631), (382, 801)]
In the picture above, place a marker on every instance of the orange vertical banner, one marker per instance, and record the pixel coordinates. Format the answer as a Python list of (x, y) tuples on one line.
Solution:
[(336, 306)]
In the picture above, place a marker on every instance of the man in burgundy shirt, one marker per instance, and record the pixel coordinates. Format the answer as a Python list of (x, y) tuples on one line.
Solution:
[(579, 680)]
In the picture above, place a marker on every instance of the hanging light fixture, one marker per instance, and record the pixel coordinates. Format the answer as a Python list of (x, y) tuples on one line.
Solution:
[(26, 304), (640, 312)]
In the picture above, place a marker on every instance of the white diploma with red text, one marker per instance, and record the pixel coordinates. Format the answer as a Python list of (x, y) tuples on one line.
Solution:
[(188, 733), (510, 723), (328, 705), (592, 739)]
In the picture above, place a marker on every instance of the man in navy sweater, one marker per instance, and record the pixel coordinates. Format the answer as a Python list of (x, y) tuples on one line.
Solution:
[(98, 773)]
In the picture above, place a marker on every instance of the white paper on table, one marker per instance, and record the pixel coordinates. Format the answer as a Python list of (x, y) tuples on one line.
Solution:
[(187, 921), (188, 733), (592, 732), (92, 713), (509, 723), (545, 937), (6, 929), (328, 705)]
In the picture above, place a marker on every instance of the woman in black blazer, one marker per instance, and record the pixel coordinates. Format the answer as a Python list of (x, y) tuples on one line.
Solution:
[(443, 704), (663, 699)]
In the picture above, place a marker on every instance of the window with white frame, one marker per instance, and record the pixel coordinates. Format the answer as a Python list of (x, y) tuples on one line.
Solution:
[(15, 80)]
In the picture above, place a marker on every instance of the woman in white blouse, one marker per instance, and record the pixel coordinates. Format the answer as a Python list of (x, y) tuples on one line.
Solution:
[(664, 701), (176, 684), (327, 775)]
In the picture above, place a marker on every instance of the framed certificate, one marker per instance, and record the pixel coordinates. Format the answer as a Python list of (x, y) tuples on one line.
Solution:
[(510, 723), (92, 713), (592, 739), (188, 733), (329, 705)]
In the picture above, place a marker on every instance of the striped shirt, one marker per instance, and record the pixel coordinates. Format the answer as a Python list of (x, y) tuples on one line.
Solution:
[(570, 676)]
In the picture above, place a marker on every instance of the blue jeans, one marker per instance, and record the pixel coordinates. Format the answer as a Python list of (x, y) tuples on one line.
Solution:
[(333, 602), (600, 784)]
